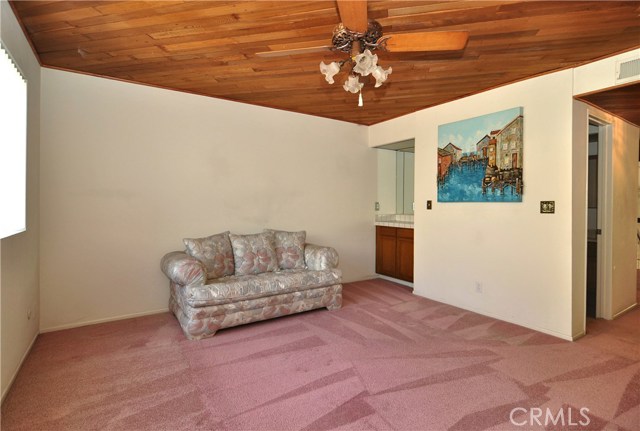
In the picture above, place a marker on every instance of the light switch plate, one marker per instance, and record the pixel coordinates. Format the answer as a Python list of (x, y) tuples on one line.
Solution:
[(547, 207)]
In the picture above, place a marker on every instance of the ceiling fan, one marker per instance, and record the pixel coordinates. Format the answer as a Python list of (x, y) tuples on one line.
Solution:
[(359, 36)]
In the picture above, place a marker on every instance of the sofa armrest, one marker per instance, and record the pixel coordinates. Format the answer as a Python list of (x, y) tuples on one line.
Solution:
[(318, 257), (183, 269)]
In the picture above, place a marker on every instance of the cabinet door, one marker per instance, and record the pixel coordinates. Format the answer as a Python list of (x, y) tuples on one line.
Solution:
[(404, 257), (386, 250)]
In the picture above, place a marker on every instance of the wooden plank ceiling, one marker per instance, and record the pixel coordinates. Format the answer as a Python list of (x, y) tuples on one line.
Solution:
[(623, 101), (210, 48)]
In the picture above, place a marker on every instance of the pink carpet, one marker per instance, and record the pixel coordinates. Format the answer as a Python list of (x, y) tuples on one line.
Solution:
[(388, 360)]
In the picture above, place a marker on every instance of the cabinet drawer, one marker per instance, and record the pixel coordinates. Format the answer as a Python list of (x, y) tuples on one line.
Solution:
[(386, 231), (405, 233)]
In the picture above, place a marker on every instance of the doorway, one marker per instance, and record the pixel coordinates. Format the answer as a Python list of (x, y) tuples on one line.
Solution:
[(599, 207), (593, 229)]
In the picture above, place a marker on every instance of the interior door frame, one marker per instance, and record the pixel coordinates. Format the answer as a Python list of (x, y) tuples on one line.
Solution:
[(604, 215)]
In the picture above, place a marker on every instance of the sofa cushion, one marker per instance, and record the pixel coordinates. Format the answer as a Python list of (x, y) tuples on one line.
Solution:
[(254, 254), (214, 252), (236, 288), (290, 248)]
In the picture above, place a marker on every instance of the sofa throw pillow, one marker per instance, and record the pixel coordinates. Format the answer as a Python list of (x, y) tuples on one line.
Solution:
[(290, 248), (254, 254), (214, 252)]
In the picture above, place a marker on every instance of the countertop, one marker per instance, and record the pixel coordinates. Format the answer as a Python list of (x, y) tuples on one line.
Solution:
[(404, 224)]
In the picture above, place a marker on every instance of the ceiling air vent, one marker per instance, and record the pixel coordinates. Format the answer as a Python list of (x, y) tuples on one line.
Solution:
[(627, 70)]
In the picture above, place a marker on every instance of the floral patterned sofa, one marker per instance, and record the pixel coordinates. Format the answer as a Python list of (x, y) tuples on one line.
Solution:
[(226, 280)]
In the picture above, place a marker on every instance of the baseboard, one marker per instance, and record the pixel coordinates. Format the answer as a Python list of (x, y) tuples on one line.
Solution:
[(108, 319), (395, 280), (484, 313), (359, 278), (578, 336), (15, 374), (626, 310)]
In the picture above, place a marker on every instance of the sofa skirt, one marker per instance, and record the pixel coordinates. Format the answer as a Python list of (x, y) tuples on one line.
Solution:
[(203, 322)]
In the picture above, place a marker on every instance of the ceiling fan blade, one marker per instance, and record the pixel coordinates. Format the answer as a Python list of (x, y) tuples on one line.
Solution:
[(353, 14), (427, 41), (293, 51)]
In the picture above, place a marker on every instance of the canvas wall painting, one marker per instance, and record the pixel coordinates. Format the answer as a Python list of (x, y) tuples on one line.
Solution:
[(480, 158)]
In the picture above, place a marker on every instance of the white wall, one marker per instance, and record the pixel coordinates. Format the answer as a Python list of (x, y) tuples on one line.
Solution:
[(522, 258), (127, 171), (20, 253), (600, 74)]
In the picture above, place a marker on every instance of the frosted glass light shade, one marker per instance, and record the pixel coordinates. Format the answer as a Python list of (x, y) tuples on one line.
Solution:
[(352, 84), (380, 75), (365, 63), (329, 70)]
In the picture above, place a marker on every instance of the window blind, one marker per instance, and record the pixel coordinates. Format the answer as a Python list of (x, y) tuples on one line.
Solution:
[(13, 146)]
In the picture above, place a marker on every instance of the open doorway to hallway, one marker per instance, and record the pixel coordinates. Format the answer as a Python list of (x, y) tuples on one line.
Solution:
[(593, 227), (614, 267), (599, 178)]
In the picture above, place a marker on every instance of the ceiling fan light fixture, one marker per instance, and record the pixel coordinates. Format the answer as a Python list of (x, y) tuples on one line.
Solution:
[(363, 61), (329, 70)]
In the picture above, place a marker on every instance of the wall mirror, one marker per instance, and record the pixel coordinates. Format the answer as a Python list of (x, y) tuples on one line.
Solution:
[(396, 165)]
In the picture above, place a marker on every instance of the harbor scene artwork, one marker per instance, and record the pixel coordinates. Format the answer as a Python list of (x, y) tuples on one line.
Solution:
[(480, 158)]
